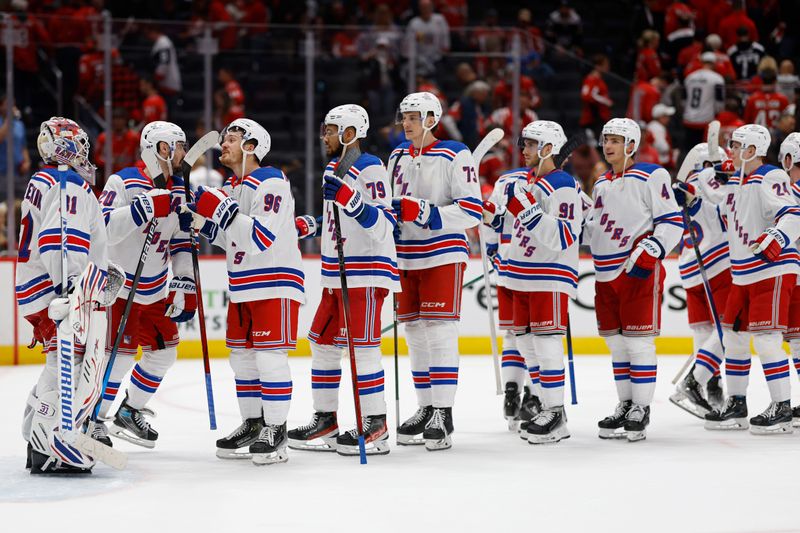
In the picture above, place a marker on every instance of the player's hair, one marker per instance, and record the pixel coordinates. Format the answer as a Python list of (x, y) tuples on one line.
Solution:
[(768, 76), (648, 37), (599, 59)]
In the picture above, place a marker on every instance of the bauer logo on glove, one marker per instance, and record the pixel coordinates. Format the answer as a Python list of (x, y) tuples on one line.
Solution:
[(216, 206)]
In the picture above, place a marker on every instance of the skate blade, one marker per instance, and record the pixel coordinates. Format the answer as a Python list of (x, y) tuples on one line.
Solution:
[(776, 429), (796, 422), (636, 436), (263, 459), (328, 444), (436, 445), (123, 434), (513, 424), (410, 440), (682, 401), (734, 424), (612, 434), (552, 438), (224, 453), (371, 448)]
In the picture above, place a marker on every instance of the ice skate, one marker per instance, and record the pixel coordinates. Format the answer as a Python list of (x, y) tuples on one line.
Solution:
[(612, 426), (636, 421), (796, 417), (714, 392), (548, 427), (131, 425), (511, 405), (270, 446), (99, 432), (319, 435), (531, 406), (28, 456), (775, 420), (376, 437), (733, 415), (689, 397), (44, 464), (242, 437), (408, 434), (438, 429)]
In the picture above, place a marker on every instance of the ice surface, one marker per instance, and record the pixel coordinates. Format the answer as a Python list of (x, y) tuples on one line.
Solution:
[(682, 478)]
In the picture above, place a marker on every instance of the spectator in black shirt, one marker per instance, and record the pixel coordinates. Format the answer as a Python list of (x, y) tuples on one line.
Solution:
[(745, 55)]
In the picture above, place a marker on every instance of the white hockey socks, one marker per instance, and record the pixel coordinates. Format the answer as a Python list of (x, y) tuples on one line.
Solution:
[(420, 358), (276, 384), (147, 375), (370, 381), (550, 353), (621, 365), (443, 345), (248, 386), (326, 374), (525, 345), (708, 353), (737, 361), (769, 347), (122, 364), (642, 353), (512, 367), (794, 348)]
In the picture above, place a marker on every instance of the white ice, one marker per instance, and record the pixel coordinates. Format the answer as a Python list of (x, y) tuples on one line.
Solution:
[(682, 478)]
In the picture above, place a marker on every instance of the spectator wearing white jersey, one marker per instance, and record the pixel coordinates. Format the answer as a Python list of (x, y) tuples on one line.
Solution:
[(704, 93), (657, 129)]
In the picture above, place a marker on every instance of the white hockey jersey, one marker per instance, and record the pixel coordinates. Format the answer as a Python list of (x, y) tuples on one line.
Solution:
[(502, 235), (444, 174), (710, 229), (126, 239), (261, 243), (370, 255), (704, 97), (627, 207), (796, 192), (545, 258), (763, 199), (38, 278)]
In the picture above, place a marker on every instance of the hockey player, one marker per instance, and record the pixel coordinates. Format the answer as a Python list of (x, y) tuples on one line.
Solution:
[(363, 196), (764, 222), (64, 148), (712, 239), (634, 222), (132, 200), (252, 218), (542, 269), (519, 376), (437, 197)]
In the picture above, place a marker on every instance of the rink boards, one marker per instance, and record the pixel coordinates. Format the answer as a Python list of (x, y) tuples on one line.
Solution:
[(474, 328)]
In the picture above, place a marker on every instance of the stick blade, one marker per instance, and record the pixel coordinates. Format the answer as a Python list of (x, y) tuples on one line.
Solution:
[(486, 144), (203, 144), (713, 136), (574, 142)]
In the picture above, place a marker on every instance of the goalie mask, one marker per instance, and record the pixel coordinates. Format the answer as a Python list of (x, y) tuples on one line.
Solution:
[(62, 141)]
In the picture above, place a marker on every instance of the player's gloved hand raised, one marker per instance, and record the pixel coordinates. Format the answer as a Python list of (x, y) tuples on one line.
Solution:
[(416, 210), (723, 171), (769, 244), (685, 193), (182, 299), (343, 195), (523, 205), (307, 226), (214, 205), (156, 203), (493, 214), (642, 261)]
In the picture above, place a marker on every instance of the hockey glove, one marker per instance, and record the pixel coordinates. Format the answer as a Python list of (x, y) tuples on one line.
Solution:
[(308, 226), (185, 219), (182, 299), (769, 244), (523, 206), (216, 206), (416, 210), (493, 214), (644, 257), (58, 309), (156, 203), (343, 195), (723, 171), (685, 193)]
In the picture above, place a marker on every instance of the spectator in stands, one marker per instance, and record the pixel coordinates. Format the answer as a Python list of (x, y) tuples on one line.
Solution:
[(380, 79), (224, 23), (678, 29), (531, 36), (503, 117), (648, 64), (704, 96), (788, 82), (124, 143), (471, 111), (586, 165), (26, 61), (153, 106), (504, 89), (383, 27), (489, 38), (595, 101), (645, 94), (765, 106), (235, 94), (745, 54), (689, 53), (660, 137), (465, 75), (723, 65), (646, 153), (729, 118), (90, 73), (647, 15), (730, 25), (565, 28), (430, 34), (203, 176), (21, 158), (166, 72), (124, 85), (783, 127)]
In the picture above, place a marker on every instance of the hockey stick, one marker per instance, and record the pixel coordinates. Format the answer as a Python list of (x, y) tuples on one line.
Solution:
[(492, 138), (66, 339), (393, 326), (570, 360), (340, 171), (205, 143)]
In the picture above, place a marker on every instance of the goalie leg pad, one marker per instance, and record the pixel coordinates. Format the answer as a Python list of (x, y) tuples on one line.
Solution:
[(50, 452), (93, 367)]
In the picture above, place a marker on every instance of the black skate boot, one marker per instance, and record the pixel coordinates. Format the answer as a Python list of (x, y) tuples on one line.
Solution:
[(548, 427), (796, 417), (438, 429), (241, 437), (776, 419), (270, 446), (636, 421), (689, 397), (44, 464), (733, 415), (531, 406), (376, 437), (319, 435), (612, 426), (714, 393), (99, 433), (28, 457), (511, 405), (408, 432), (130, 425)]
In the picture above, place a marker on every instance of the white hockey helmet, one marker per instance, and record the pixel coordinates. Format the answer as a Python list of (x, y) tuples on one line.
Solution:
[(425, 103), (751, 135), (348, 116), (626, 128), (62, 141), (703, 155), (160, 131), (252, 132), (791, 147), (544, 132)]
